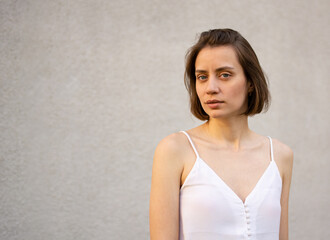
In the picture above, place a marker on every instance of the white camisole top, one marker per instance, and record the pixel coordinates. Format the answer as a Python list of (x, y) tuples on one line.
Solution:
[(211, 210)]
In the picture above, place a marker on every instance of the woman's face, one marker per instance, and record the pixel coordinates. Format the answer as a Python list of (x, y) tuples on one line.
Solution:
[(220, 82)]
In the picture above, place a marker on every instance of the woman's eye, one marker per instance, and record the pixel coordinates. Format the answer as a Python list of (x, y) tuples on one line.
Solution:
[(225, 75), (202, 77)]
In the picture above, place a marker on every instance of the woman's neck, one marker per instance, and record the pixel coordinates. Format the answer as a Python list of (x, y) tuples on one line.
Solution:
[(230, 133)]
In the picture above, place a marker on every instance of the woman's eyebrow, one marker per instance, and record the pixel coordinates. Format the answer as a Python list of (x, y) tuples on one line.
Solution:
[(223, 68), (217, 70), (200, 71)]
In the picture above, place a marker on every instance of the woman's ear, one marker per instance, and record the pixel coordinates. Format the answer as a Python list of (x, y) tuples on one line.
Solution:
[(250, 87)]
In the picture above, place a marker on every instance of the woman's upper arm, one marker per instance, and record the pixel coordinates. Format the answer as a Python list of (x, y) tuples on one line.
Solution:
[(165, 188), (286, 166)]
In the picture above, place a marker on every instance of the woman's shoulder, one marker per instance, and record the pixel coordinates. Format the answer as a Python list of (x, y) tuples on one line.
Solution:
[(283, 155), (170, 154), (282, 149), (172, 145), (172, 141)]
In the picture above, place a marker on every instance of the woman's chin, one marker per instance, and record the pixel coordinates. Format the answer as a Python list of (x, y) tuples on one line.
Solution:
[(217, 115), (221, 115)]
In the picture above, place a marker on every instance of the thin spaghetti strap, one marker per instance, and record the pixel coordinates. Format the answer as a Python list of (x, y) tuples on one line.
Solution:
[(271, 148), (192, 144)]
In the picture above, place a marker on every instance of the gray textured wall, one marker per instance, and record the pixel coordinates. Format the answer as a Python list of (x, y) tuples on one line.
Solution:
[(88, 88)]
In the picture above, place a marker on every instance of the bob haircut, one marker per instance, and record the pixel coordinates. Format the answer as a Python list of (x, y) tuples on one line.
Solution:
[(258, 98)]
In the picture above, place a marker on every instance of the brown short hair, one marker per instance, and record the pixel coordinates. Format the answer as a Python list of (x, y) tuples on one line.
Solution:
[(258, 99)]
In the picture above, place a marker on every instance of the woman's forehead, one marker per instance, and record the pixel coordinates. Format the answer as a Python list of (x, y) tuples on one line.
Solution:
[(217, 57)]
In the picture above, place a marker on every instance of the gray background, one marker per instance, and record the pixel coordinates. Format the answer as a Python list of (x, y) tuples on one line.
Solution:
[(89, 88)]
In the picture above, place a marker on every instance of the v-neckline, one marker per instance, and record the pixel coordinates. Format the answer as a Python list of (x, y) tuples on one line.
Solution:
[(230, 189)]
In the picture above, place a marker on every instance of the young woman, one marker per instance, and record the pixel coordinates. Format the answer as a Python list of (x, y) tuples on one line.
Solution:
[(221, 180)]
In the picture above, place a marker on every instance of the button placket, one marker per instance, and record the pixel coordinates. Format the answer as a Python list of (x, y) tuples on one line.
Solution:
[(248, 220)]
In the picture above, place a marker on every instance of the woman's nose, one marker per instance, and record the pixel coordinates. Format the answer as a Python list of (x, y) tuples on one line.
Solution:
[(212, 85)]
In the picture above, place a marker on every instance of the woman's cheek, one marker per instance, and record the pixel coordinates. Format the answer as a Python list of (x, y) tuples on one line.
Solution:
[(238, 91)]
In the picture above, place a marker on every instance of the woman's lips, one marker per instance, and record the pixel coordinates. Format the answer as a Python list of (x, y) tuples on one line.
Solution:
[(214, 103)]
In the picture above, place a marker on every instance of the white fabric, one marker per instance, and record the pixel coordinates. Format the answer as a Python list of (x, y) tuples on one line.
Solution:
[(211, 210)]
